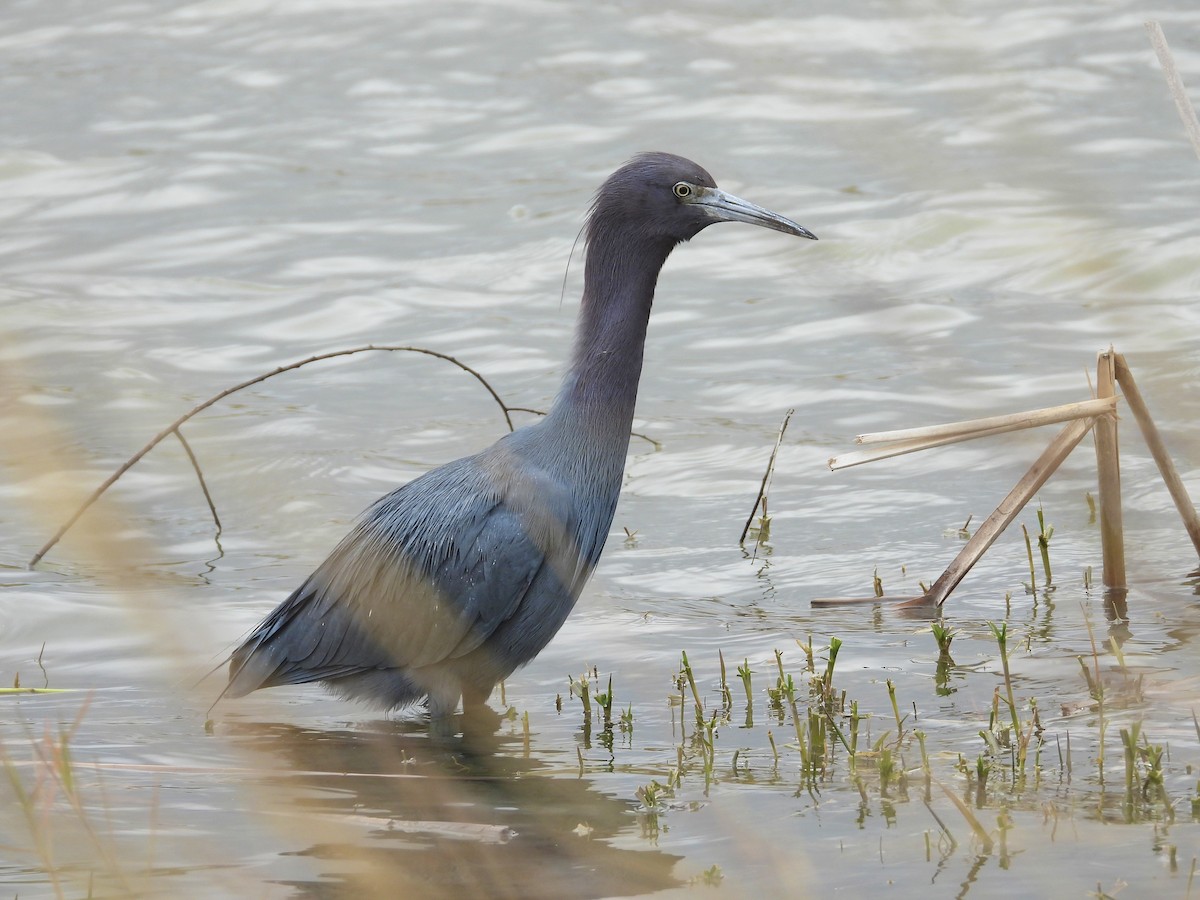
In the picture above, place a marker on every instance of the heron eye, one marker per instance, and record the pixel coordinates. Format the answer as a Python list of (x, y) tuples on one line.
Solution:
[(682, 190)]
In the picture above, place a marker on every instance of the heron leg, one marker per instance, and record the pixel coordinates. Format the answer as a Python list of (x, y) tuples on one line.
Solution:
[(475, 696)]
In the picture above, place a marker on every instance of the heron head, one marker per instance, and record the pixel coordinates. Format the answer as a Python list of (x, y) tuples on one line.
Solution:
[(668, 198)]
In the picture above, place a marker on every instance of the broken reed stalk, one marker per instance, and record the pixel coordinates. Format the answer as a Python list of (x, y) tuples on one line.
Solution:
[(1187, 112), (1108, 467), (1045, 466), (910, 440), (766, 479), (1111, 369), (1158, 449), (1049, 415), (173, 428)]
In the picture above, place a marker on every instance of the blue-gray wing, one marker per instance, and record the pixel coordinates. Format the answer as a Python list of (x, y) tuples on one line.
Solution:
[(428, 574)]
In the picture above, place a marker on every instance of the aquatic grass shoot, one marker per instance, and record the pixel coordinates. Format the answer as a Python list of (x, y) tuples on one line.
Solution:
[(824, 718), (56, 816), (685, 669), (746, 677), (1044, 535), (605, 702), (1032, 586), (1000, 633), (827, 678), (944, 636)]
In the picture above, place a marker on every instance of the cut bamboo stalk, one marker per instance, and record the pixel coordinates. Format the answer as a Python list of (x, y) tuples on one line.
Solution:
[(1187, 112), (1108, 467), (1050, 415), (1045, 466), (941, 435), (1158, 449)]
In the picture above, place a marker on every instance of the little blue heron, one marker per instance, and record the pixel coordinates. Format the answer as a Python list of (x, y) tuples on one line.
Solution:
[(450, 583)]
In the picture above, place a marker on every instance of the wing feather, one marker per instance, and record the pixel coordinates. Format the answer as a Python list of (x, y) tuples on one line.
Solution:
[(428, 574)]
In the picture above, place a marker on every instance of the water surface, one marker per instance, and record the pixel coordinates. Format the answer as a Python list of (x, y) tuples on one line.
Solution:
[(195, 193)]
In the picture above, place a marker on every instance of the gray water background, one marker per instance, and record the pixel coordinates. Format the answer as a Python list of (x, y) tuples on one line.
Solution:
[(194, 193)]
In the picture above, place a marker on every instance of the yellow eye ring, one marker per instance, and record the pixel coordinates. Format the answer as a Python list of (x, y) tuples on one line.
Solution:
[(682, 190)]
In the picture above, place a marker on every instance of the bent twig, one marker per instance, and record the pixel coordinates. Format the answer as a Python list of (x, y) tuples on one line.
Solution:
[(173, 428), (212, 507)]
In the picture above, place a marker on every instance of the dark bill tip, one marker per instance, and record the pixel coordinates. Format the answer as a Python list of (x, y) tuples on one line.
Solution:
[(728, 208)]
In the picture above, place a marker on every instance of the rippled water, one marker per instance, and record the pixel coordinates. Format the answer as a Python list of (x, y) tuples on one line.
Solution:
[(193, 194)]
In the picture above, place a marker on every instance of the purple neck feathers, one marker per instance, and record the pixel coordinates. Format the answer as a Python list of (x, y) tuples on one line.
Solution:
[(598, 395)]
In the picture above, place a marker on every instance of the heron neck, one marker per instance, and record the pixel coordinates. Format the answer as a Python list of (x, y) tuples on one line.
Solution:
[(598, 395)]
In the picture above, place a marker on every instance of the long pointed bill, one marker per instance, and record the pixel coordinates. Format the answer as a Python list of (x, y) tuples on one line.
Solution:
[(727, 208)]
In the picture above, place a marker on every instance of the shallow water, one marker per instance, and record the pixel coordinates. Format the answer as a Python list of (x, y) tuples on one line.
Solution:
[(193, 194)]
